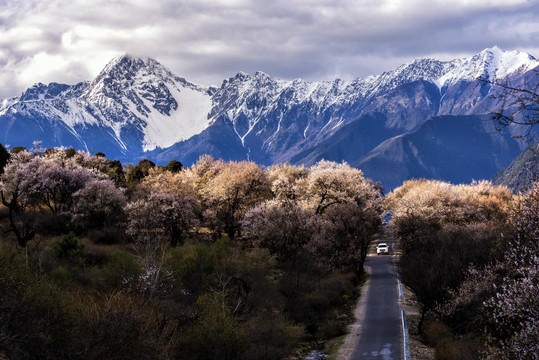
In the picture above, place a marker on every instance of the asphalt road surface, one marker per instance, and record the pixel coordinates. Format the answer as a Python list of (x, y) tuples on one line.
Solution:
[(381, 333)]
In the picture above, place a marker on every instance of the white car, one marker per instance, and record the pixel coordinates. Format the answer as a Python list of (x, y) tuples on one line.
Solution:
[(382, 248)]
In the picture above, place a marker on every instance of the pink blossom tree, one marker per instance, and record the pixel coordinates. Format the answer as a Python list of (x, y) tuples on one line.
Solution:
[(98, 203), (514, 307)]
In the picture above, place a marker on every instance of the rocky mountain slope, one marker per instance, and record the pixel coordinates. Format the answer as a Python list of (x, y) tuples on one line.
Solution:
[(137, 108), (521, 172)]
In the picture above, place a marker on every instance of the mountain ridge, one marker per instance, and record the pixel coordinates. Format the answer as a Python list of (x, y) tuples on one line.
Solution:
[(138, 108)]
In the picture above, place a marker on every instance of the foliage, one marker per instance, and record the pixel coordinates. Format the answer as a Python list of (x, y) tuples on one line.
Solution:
[(216, 334), (228, 191), (121, 270), (270, 335), (70, 152), (219, 260), (442, 230), (116, 173), (174, 166), (139, 171), (122, 326), (70, 249), (4, 157), (37, 319)]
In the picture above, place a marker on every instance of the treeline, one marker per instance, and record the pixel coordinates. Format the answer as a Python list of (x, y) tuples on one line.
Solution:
[(470, 254), (221, 260)]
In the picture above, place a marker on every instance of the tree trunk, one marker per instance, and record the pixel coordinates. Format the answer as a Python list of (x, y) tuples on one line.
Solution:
[(421, 320)]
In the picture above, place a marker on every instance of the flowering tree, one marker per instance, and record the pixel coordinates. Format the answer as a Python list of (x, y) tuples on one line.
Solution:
[(228, 191), (60, 180), (420, 207), (330, 211), (343, 234), (329, 183), (19, 195), (284, 178), (98, 203), (42, 180), (154, 223), (282, 228), (501, 299), (442, 230), (514, 306), (348, 207)]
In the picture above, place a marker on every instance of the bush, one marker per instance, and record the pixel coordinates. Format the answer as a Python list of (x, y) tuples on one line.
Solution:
[(70, 250), (38, 320), (270, 335), (447, 345), (215, 334), (121, 269), (120, 326)]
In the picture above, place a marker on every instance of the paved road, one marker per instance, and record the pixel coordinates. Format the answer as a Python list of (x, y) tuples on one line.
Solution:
[(381, 333)]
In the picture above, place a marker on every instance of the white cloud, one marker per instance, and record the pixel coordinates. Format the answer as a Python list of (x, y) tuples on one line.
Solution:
[(45, 66), (207, 41)]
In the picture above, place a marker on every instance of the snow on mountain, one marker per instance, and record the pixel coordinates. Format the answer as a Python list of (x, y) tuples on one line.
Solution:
[(128, 95), (172, 108), (491, 64), (190, 119), (135, 106)]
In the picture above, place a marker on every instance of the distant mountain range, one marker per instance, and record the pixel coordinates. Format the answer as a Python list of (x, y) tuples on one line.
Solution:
[(427, 118)]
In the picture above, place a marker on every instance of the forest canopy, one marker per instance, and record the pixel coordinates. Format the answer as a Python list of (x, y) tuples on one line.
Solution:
[(224, 260)]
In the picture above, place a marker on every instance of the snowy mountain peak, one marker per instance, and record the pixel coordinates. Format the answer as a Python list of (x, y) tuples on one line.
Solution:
[(51, 91), (144, 93), (491, 63), (120, 74)]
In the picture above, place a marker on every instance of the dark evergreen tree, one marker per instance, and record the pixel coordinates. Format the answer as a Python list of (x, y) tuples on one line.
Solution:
[(4, 157)]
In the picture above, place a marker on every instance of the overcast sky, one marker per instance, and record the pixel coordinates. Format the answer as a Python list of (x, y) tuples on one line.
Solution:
[(206, 41)]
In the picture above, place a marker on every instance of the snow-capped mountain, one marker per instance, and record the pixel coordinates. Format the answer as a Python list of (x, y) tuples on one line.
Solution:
[(138, 108), (135, 104)]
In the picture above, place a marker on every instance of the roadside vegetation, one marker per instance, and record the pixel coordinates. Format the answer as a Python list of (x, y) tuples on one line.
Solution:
[(221, 260), (470, 255), (230, 260)]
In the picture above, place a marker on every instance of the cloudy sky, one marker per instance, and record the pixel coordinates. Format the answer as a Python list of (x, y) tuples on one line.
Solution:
[(206, 41)]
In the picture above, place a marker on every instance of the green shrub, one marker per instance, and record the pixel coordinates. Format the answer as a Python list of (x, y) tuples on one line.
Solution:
[(120, 269), (215, 334), (70, 250)]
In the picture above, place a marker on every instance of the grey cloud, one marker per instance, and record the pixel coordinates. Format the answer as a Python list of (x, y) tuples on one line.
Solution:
[(207, 41)]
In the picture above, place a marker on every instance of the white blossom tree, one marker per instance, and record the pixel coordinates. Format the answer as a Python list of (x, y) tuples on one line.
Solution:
[(154, 223), (514, 306), (34, 182), (228, 191), (20, 194), (330, 211), (98, 203), (282, 228)]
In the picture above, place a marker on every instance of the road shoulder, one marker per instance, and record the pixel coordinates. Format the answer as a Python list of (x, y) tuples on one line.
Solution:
[(351, 340)]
